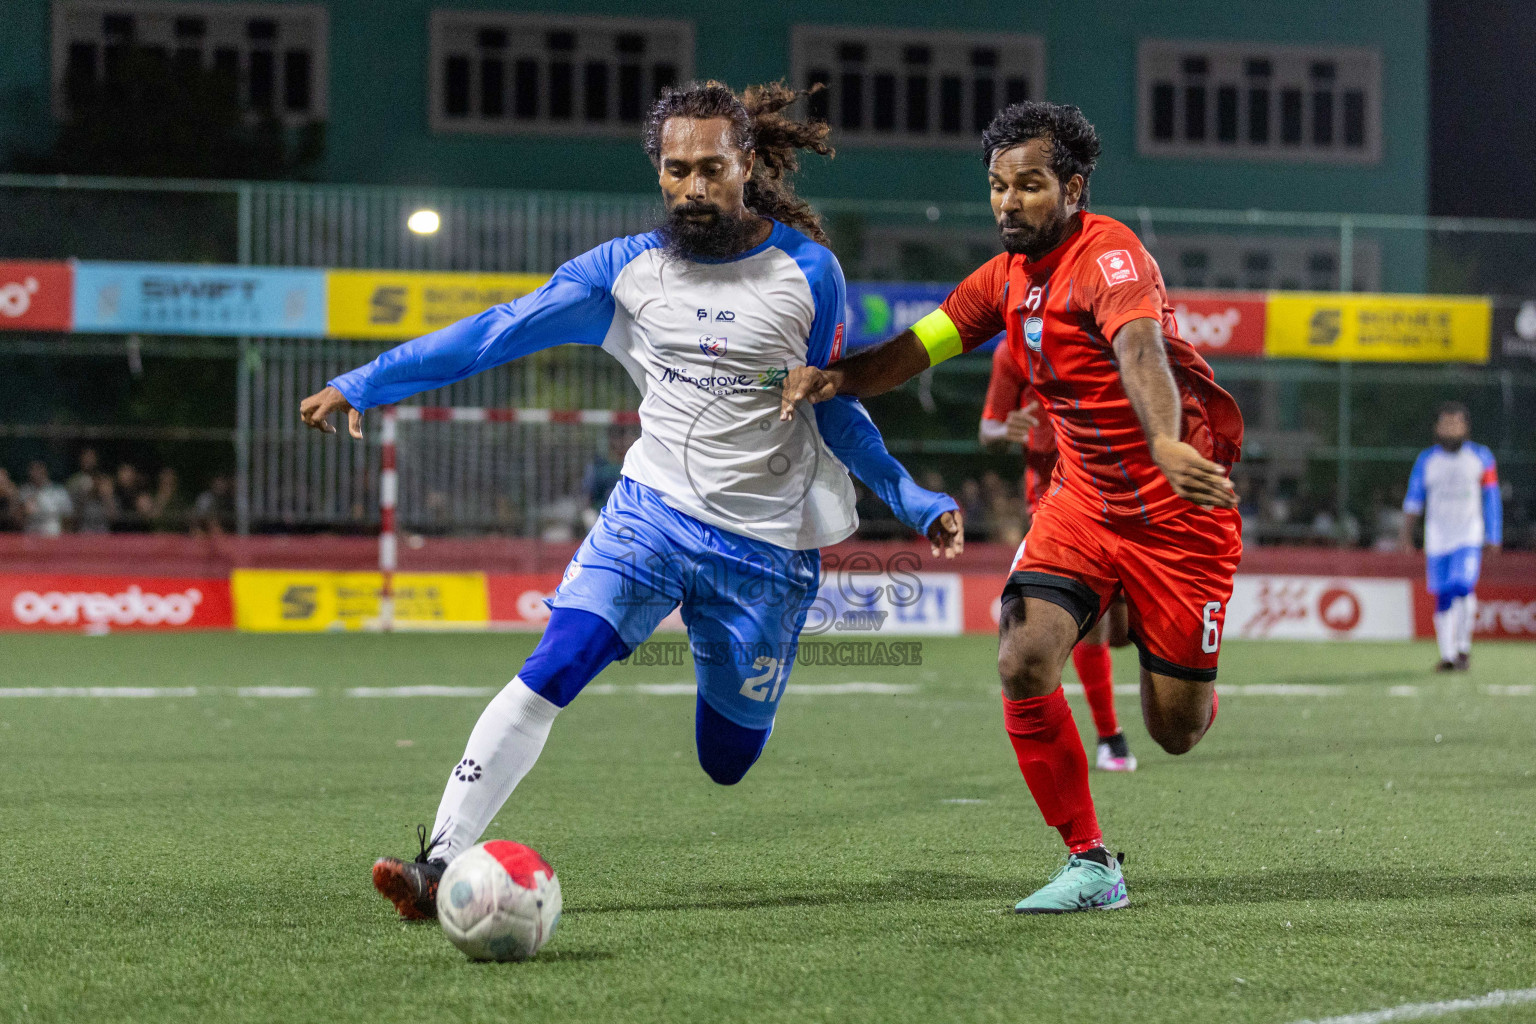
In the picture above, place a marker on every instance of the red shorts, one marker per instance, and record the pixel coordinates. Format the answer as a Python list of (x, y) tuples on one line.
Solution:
[(1176, 575)]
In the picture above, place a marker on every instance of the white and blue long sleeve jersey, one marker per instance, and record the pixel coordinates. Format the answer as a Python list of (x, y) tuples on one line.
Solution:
[(1457, 492), (709, 345)]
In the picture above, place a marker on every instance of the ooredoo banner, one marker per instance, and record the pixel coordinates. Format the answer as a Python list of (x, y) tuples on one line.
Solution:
[(1221, 325), (1504, 612), (31, 601), (35, 296)]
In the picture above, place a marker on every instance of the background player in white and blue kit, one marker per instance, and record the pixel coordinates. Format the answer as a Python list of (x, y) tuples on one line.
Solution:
[(1455, 487), (723, 505)]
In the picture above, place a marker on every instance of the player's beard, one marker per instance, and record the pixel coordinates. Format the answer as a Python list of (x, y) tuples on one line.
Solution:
[(715, 237), (1035, 242)]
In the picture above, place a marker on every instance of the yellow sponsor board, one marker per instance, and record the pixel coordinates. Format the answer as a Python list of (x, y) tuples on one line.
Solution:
[(1377, 328), (292, 601), (396, 304)]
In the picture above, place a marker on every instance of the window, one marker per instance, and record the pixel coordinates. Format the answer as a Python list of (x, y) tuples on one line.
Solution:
[(272, 56), (1248, 263), (495, 73), (914, 88), (1259, 101)]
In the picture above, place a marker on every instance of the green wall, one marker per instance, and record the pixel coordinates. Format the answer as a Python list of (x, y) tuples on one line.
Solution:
[(378, 131)]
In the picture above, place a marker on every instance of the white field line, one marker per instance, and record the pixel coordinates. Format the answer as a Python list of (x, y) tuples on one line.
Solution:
[(98, 691), (1402, 691), (1419, 1011), (275, 691), (1518, 690), (421, 691)]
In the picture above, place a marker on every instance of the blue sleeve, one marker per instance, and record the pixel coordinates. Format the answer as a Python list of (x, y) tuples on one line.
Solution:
[(575, 306), (1413, 501), (829, 290), (1493, 499), (854, 438)]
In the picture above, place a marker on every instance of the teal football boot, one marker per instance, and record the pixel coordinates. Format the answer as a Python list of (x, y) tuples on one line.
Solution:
[(1079, 885)]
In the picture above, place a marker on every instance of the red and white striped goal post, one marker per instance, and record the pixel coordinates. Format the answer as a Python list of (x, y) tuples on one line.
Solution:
[(389, 478)]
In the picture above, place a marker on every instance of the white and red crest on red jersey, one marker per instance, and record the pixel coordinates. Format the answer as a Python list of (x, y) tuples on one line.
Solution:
[(1118, 267)]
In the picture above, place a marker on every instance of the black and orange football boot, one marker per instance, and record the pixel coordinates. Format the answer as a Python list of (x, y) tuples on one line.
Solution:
[(412, 885)]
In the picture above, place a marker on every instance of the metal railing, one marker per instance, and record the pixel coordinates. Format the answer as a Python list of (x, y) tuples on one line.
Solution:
[(287, 479)]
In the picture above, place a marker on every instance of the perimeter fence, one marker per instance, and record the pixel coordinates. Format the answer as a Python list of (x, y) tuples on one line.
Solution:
[(1329, 439)]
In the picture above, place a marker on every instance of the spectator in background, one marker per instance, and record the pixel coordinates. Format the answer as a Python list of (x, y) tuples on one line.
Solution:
[(214, 510), (83, 483), (97, 511), (603, 472), (44, 504), (169, 509), (10, 502), (973, 506), (129, 483)]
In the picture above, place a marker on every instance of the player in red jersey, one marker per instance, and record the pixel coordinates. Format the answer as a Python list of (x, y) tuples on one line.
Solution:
[(1140, 502), (1012, 415)]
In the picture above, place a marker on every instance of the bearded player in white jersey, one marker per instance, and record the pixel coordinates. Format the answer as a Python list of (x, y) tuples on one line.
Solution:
[(722, 506)]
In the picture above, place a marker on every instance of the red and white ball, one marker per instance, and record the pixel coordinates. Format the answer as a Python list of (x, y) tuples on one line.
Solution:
[(499, 901)]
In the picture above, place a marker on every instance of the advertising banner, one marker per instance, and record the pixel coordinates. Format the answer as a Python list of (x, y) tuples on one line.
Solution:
[(177, 298), (401, 304), (517, 599), (1319, 608), (879, 310), (99, 604), (1514, 332), (1221, 325), (1377, 328), (35, 296), (291, 601), (1504, 612), (879, 604)]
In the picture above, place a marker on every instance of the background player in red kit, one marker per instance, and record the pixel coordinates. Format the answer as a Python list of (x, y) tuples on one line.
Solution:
[(1012, 414), (1140, 502)]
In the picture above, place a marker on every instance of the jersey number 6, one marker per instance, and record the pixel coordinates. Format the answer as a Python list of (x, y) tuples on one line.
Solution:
[(1210, 640)]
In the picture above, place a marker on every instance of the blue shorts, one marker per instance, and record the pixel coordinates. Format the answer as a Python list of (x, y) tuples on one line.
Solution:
[(1455, 572), (744, 601)]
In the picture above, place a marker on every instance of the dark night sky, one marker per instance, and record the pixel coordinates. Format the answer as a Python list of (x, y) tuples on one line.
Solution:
[(1482, 129)]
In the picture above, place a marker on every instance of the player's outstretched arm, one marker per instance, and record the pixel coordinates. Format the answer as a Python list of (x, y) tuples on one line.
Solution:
[(853, 437), (573, 306), (873, 372), (1150, 386)]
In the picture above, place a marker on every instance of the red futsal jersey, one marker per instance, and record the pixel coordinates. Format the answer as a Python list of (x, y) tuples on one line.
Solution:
[(1008, 390), (1061, 314)]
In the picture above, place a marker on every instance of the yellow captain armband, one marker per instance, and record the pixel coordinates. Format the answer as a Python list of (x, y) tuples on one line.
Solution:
[(939, 336)]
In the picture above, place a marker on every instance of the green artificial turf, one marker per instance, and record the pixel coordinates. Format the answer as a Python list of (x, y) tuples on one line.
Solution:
[(205, 858)]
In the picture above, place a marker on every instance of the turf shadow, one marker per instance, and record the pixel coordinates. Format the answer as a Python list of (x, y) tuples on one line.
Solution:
[(1298, 886), (901, 886)]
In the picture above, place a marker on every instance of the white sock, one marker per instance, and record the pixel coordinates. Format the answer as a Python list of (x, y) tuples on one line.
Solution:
[(1465, 623), (502, 748), (1445, 633)]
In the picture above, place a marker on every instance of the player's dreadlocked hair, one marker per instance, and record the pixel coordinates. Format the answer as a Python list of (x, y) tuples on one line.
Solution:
[(1074, 143), (757, 127)]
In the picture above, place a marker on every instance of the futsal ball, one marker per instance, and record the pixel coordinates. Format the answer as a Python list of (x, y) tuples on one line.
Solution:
[(499, 901)]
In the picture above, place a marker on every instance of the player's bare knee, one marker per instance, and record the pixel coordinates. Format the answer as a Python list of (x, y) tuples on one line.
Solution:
[(1026, 670)]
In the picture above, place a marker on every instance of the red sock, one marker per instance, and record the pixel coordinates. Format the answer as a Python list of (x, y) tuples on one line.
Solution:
[(1097, 673), (1215, 704), (1051, 756)]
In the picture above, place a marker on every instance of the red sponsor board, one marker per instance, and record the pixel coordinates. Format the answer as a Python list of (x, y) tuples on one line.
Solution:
[(1504, 612), (517, 599), (40, 601), (35, 296), (1221, 324)]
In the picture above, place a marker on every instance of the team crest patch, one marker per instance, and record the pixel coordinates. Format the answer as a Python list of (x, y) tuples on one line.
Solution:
[(1118, 267), (1034, 333), (712, 345)]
